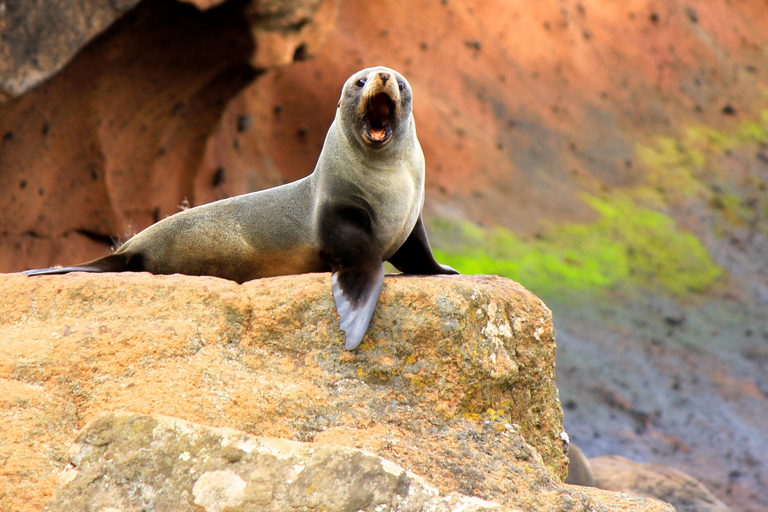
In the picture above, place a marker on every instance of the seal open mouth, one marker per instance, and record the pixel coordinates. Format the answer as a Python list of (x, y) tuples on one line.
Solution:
[(376, 122)]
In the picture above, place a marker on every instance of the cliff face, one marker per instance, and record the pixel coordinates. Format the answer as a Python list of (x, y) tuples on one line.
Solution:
[(521, 108), (132, 126), (455, 382)]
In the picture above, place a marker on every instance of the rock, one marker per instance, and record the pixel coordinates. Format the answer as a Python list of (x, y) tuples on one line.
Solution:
[(135, 123), (286, 31), (664, 483), (455, 380), (40, 38), (135, 462)]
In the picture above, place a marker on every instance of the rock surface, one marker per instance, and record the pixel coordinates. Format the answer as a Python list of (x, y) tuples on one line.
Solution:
[(135, 462), (680, 490), (579, 468), (39, 38), (135, 123), (569, 128), (455, 380)]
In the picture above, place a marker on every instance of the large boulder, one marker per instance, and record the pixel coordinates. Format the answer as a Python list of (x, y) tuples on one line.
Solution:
[(133, 462), (39, 39), (455, 380), (658, 481)]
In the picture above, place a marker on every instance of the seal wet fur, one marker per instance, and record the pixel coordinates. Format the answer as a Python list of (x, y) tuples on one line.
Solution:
[(360, 207)]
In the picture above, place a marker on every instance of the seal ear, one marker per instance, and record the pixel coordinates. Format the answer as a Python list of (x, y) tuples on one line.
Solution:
[(338, 105)]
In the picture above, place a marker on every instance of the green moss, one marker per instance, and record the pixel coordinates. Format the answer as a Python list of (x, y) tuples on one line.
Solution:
[(632, 243), (687, 164), (628, 245)]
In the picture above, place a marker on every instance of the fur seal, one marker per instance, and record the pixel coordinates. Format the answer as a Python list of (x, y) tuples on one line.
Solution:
[(361, 206), (579, 468)]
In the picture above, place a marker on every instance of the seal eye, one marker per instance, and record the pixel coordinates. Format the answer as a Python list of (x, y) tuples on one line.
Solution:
[(360, 82), (401, 85)]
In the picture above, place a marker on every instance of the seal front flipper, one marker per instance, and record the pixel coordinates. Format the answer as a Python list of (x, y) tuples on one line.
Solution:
[(415, 255), (350, 249), (118, 262), (356, 292)]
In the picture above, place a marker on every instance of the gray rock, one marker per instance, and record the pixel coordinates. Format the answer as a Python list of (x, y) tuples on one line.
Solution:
[(133, 462), (579, 469)]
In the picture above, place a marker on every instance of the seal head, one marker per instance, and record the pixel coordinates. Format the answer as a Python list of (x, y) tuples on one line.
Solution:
[(374, 104)]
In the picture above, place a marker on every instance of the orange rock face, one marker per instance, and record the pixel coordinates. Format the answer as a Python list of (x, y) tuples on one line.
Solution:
[(520, 107)]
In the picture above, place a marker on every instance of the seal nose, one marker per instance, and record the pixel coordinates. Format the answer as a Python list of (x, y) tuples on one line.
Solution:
[(384, 77)]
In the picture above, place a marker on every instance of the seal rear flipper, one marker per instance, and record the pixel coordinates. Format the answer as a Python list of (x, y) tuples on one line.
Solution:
[(356, 292), (59, 270), (118, 262), (415, 255)]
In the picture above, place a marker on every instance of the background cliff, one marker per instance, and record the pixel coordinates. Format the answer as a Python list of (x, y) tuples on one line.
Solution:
[(610, 156)]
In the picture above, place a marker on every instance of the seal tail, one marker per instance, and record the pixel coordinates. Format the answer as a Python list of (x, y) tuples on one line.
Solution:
[(118, 262)]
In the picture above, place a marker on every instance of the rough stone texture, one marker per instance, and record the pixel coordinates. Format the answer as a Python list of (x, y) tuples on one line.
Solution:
[(136, 124), (286, 31), (680, 490), (454, 382), (39, 38), (570, 126), (135, 462)]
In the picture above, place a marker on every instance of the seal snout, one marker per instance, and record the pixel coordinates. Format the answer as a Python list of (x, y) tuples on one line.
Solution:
[(380, 108)]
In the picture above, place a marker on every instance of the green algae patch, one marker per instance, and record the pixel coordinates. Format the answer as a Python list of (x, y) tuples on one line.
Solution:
[(718, 173), (697, 160), (628, 245)]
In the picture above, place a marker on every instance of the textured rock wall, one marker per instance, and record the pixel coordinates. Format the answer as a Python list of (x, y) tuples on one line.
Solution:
[(40, 38), (516, 103), (134, 125)]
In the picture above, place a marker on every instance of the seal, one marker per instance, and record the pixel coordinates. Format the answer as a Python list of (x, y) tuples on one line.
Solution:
[(579, 468), (361, 206)]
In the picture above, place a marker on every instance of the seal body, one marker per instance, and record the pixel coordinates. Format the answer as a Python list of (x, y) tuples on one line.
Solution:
[(361, 206)]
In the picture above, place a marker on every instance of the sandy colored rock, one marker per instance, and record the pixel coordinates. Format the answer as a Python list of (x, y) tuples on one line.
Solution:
[(664, 483), (286, 31), (454, 369), (135, 462)]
